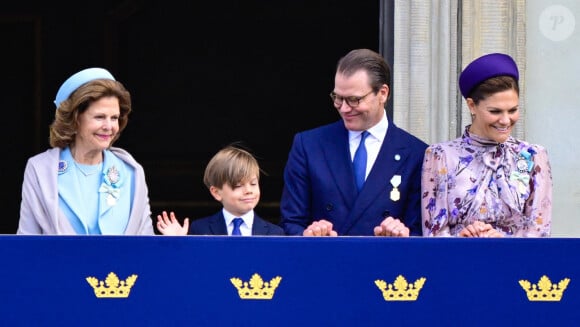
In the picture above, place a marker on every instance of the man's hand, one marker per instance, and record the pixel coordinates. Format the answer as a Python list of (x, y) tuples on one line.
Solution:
[(392, 227), (320, 228)]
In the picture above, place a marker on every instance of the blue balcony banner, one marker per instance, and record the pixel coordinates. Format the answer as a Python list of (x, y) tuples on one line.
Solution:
[(287, 281)]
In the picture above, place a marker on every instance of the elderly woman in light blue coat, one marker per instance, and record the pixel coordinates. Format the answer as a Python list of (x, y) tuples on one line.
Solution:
[(83, 185)]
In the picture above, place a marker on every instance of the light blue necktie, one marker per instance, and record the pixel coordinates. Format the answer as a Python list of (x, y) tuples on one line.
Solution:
[(359, 162), (237, 223)]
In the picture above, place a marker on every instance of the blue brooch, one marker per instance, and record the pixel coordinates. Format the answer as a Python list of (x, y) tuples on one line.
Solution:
[(62, 166), (524, 165)]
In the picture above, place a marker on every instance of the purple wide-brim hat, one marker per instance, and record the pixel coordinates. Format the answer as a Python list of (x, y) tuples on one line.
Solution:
[(486, 67), (78, 79)]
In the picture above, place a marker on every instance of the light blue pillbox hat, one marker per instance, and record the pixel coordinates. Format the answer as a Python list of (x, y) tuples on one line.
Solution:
[(78, 79)]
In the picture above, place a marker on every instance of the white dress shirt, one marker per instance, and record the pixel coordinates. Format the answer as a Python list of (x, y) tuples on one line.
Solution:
[(373, 142), (245, 228)]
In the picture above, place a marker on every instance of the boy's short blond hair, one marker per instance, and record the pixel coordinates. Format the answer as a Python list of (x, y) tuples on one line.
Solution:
[(231, 165)]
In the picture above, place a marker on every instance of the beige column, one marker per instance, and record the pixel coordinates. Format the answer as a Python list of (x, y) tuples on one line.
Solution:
[(433, 41)]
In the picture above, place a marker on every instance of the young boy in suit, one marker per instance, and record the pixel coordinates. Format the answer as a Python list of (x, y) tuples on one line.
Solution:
[(232, 177)]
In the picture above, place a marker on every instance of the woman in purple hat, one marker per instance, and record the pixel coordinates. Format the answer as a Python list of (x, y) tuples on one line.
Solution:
[(82, 185), (487, 183)]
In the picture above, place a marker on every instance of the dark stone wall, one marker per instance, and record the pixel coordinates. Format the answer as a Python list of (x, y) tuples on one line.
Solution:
[(201, 74)]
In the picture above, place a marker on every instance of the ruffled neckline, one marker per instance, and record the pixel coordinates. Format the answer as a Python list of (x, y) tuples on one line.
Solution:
[(477, 140), (493, 153)]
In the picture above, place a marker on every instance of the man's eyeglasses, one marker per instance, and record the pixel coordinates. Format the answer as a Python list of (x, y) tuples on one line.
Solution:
[(352, 101)]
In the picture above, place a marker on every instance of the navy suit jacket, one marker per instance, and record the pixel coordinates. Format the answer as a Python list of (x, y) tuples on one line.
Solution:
[(319, 182), (216, 225)]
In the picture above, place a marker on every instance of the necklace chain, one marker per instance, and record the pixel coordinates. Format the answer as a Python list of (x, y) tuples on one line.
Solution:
[(94, 168)]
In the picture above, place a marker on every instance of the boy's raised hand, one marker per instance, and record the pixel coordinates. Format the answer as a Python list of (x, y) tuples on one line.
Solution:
[(169, 225)]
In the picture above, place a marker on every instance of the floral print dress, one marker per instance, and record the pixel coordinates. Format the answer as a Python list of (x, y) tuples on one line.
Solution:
[(507, 185)]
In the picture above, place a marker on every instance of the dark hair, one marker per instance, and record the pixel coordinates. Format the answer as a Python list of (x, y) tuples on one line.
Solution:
[(374, 64), (492, 86), (65, 124)]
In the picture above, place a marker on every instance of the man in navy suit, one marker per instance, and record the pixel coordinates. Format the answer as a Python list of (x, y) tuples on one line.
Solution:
[(321, 197), (232, 177)]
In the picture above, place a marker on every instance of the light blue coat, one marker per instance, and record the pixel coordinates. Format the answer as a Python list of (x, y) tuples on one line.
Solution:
[(39, 209)]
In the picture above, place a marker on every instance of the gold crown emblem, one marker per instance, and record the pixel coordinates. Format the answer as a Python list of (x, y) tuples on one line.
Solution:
[(400, 290), (545, 290), (256, 289), (115, 288)]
